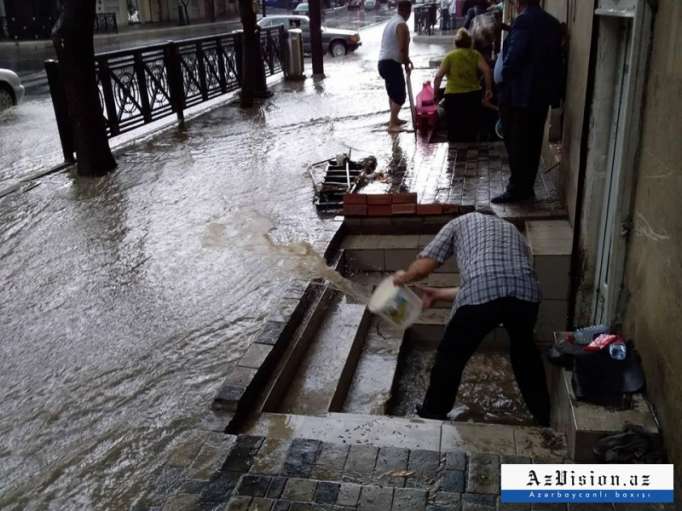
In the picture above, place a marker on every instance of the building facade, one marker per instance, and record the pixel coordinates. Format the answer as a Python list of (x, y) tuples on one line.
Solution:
[(622, 179)]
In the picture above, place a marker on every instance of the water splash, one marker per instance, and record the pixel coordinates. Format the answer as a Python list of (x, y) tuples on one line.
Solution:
[(302, 259)]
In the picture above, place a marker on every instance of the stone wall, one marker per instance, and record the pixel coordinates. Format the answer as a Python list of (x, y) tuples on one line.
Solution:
[(654, 265)]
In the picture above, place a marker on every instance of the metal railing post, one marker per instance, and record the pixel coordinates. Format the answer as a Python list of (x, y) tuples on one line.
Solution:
[(238, 52), (61, 113), (222, 76), (108, 94), (283, 46), (201, 64), (175, 81), (142, 85)]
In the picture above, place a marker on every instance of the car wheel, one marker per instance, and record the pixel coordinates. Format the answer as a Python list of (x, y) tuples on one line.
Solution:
[(6, 98), (337, 49)]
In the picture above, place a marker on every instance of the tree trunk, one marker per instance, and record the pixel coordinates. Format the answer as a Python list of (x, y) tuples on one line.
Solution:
[(253, 73), (73, 40)]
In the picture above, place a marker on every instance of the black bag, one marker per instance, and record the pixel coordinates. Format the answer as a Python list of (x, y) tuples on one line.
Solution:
[(600, 379)]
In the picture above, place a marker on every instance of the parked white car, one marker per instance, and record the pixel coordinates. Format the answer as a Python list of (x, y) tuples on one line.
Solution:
[(11, 90)]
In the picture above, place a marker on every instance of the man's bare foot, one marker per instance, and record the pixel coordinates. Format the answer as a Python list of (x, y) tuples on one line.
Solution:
[(402, 121), (395, 128)]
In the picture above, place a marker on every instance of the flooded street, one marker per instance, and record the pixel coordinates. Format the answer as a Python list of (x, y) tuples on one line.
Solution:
[(124, 298)]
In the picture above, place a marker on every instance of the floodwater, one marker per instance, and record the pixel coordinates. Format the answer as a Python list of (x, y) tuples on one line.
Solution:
[(125, 298), (487, 393)]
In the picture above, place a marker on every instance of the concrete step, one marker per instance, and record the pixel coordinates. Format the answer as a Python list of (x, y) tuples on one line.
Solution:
[(551, 243), (376, 370), (414, 433), (585, 423), (388, 253), (320, 379)]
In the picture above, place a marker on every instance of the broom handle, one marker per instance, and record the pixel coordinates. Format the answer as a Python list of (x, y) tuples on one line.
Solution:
[(408, 80)]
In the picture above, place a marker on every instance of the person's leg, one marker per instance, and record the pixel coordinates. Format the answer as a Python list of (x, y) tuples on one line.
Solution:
[(395, 87), (515, 127), (464, 333), (452, 116), (536, 135), (519, 320), (472, 120)]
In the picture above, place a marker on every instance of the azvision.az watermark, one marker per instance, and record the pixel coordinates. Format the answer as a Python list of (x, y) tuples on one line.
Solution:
[(591, 479), (555, 483)]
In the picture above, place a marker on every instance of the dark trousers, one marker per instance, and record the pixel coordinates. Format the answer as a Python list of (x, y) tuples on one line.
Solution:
[(463, 114), (524, 131), (463, 335), (444, 19)]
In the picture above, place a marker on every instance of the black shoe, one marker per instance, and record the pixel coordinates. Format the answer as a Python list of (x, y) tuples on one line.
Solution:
[(509, 197), (427, 415)]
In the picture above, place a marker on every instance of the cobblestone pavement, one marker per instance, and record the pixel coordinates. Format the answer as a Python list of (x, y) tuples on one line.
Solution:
[(248, 473)]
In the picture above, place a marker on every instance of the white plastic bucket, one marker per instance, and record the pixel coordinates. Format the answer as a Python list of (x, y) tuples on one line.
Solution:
[(397, 304)]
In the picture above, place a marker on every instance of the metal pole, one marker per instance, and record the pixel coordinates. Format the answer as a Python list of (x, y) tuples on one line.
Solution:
[(316, 36)]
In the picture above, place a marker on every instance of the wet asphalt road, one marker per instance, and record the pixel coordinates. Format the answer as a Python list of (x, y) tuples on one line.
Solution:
[(125, 298)]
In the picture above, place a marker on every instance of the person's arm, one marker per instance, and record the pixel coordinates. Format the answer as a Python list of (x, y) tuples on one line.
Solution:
[(442, 71), (518, 42), (419, 269), (429, 295), (404, 44), (484, 68)]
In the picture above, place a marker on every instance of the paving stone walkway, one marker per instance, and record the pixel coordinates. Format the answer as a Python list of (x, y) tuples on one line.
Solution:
[(249, 473), (472, 174)]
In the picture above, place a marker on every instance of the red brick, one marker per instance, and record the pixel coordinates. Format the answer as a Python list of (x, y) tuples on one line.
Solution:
[(355, 198), (429, 209), (404, 209), (355, 209), (381, 198), (404, 198), (451, 209), (379, 210)]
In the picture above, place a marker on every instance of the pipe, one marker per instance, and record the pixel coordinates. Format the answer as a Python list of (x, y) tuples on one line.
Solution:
[(575, 274)]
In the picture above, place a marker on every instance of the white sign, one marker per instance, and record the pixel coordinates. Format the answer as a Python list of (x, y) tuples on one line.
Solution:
[(587, 483)]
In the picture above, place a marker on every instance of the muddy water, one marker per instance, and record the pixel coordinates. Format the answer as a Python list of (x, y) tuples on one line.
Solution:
[(488, 392), (124, 299)]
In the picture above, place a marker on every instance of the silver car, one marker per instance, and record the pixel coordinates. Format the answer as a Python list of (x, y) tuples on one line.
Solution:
[(336, 40), (11, 90)]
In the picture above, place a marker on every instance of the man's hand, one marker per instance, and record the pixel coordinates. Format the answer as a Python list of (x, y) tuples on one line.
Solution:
[(488, 95), (400, 278), (429, 295), (434, 294), (409, 66)]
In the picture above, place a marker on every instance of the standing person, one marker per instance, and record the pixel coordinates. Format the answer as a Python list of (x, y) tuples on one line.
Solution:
[(445, 14), (463, 89), (475, 8), (394, 54), (531, 82), (497, 285)]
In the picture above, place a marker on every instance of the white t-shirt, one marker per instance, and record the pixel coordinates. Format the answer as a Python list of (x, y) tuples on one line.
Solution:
[(390, 47)]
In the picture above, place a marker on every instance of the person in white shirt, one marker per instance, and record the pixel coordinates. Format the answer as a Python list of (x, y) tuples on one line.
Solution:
[(395, 53)]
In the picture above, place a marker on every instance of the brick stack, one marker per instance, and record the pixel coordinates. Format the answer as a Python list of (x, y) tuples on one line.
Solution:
[(395, 204)]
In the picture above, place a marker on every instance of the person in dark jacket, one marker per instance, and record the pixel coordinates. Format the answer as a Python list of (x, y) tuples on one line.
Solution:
[(531, 82)]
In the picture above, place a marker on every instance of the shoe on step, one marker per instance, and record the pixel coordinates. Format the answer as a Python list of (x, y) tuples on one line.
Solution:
[(428, 415)]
